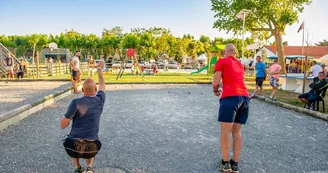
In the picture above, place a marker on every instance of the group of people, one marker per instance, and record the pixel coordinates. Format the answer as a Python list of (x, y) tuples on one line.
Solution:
[(318, 87), (83, 140), (15, 69), (261, 75)]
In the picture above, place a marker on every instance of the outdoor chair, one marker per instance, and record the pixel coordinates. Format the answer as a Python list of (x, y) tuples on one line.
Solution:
[(316, 105)]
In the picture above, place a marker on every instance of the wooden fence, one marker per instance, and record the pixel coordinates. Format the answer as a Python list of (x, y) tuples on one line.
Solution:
[(52, 69)]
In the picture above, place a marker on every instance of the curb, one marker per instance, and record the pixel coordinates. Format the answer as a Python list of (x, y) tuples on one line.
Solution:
[(14, 116), (315, 114)]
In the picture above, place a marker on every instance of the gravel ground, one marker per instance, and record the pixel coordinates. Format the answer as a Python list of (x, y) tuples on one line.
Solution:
[(15, 94), (169, 129)]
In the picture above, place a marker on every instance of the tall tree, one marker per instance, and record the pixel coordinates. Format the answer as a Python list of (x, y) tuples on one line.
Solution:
[(147, 44), (271, 16), (33, 40)]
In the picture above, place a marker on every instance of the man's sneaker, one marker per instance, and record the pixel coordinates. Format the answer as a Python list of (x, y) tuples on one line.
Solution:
[(79, 170), (275, 99), (89, 170), (225, 166), (311, 106), (234, 166)]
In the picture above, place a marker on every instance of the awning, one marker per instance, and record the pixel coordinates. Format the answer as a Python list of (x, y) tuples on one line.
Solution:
[(286, 57)]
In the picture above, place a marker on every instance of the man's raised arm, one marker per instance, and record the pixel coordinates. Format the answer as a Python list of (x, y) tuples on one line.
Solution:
[(101, 80)]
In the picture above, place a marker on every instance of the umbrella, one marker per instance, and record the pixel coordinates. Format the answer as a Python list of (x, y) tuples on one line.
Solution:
[(324, 58), (254, 46), (202, 57)]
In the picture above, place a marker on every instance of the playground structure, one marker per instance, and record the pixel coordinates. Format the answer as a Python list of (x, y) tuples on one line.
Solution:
[(209, 67)]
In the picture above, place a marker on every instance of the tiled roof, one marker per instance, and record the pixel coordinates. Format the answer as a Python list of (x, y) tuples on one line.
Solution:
[(312, 51)]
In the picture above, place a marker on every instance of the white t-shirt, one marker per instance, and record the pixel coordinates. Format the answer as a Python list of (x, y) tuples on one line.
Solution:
[(76, 62), (316, 69)]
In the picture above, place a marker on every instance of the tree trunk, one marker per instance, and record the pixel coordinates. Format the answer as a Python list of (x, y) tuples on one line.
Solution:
[(37, 64), (280, 49), (33, 54)]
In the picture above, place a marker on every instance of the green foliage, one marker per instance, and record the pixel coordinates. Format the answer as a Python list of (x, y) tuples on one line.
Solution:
[(322, 43), (270, 14), (148, 43), (130, 40)]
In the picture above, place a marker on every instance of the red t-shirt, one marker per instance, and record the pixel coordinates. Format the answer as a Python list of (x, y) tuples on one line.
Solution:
[(232, 77)]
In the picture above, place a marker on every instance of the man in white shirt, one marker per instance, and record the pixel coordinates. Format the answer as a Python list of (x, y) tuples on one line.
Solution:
[(315, 70), (75, 67)]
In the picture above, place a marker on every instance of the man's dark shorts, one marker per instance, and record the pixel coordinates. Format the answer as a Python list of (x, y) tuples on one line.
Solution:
[(74, 74), (234, 109), (82, 149), (310, 97), (259, 81)]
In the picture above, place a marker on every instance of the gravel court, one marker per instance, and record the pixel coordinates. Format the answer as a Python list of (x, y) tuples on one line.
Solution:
[(169, 128), (16, 94)]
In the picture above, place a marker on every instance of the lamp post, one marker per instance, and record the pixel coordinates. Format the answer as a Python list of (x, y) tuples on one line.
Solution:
[(241, 16)]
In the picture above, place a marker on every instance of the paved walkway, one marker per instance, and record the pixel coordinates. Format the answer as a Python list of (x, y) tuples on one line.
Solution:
[(15, 94), (169, 129)]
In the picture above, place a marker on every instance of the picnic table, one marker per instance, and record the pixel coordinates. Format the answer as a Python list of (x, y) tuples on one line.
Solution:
[(294, 82)]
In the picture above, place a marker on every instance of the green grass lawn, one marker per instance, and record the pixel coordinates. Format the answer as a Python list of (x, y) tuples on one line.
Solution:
[(129, 78)]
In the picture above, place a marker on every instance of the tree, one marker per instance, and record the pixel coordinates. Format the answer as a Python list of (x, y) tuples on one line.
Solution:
[(270, 16), (147, 44), (22, 45), (322, 43), (161, 45), (33, 40)]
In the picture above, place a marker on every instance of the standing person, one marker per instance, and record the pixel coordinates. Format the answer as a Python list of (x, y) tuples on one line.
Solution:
[(91, 66), (142, 68), (323, 70), (155, 69), (274, 71), (10, 66), (21, 69), (260, 76), (315, 70), (75, 67), (83, 141), (234, 105), (137, 68)]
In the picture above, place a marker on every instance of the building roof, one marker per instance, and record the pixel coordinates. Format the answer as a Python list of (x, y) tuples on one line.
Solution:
[(312, 51)]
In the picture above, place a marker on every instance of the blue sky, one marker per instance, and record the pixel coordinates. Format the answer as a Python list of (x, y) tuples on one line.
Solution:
[(181, 16)]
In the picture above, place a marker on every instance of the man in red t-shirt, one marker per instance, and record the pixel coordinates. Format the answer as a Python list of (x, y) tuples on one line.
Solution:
[(234, 105)]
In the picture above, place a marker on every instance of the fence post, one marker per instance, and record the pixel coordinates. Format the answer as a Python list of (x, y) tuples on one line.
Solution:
[(51, 70)]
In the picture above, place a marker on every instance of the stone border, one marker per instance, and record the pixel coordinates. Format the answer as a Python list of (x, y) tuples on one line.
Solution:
[(14, 116), (315, 114)]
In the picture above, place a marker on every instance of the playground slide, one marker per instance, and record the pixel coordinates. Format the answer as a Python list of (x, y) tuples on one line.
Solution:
[(200, 70)]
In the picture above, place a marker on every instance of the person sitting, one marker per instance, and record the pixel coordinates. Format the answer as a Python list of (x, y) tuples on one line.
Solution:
[(317, 92), (21, 69)]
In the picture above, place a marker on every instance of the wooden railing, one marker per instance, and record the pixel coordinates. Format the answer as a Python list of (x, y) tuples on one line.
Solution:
[(52, 69)]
